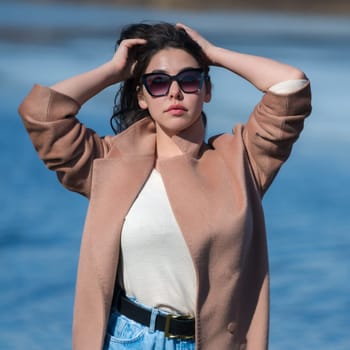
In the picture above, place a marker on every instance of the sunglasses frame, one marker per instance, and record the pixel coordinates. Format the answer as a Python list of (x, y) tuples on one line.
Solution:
[(203, 77)]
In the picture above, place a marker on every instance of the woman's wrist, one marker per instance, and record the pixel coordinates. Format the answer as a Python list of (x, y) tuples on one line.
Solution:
[(114, 73), (218, 56)]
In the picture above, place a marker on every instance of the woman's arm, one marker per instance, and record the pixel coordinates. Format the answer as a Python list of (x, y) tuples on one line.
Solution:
[(84, 86), (49, 115), (262, 72)]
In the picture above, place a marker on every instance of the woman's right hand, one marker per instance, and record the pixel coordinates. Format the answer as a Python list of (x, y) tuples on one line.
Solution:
[(121, 64), (86, 85)]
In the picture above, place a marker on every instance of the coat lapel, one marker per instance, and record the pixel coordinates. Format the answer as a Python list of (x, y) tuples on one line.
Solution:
[(117, 180)]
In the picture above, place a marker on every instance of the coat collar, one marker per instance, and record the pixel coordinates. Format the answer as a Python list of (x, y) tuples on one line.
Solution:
[(140, 139)]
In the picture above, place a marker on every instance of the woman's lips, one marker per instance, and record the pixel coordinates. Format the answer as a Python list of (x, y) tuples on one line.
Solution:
[(176, 109)]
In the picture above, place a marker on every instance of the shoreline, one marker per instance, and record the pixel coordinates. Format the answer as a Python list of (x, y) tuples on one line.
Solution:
[(320, 7), (68, 19)]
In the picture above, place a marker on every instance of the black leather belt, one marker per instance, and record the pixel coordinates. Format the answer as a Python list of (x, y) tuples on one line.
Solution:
[(174, 326)]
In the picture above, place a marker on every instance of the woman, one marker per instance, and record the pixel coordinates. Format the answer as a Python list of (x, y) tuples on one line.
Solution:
[(173, 254)]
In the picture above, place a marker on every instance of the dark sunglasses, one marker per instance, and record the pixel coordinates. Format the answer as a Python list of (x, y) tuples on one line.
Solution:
[(189, 80)]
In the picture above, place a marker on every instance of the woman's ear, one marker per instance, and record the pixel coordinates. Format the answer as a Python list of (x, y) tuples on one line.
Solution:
[(141, 98)]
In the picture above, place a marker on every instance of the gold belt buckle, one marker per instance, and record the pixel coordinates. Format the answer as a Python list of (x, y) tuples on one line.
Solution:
[(168, 319)]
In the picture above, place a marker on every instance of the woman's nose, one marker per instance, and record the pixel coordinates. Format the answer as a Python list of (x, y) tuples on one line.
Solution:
[(175, 91)]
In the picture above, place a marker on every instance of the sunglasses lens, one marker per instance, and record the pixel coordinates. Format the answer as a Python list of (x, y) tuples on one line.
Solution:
[(158, 84), (190, 81)]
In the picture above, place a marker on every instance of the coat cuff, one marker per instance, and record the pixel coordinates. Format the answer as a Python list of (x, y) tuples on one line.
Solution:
[(290, 104)]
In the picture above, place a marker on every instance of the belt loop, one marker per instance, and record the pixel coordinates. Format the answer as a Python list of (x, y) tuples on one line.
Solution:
[(153, 320)]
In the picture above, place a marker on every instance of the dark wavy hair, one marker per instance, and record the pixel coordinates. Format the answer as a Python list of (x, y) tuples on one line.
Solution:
[(159, 36)]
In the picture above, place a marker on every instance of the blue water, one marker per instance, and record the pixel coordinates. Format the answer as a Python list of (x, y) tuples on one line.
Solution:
[(307, 208)]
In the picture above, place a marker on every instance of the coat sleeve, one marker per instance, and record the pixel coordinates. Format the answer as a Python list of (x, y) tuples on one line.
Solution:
[(266, 140), (62, 142), (271, 131)]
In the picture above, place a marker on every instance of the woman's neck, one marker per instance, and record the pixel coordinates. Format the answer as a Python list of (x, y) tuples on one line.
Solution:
[(166, 147), (187, 141)]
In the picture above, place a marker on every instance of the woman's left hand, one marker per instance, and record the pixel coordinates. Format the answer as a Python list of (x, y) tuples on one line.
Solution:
[(207, 47)]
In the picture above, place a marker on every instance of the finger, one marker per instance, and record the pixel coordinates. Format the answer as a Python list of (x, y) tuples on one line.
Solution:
[(132, 42), (132, 68), (191, 32), (184, 27), (180, 25)]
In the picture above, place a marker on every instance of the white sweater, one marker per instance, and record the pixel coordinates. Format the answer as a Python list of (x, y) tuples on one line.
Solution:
[(156, 266)]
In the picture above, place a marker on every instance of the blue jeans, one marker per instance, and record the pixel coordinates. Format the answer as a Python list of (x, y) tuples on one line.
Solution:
[(126, 334)]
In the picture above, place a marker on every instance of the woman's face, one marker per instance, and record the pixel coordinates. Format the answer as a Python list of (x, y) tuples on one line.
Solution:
[(177, 110)]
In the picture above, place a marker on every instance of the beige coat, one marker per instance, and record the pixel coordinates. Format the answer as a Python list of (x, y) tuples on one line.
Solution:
[(215, 192)]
